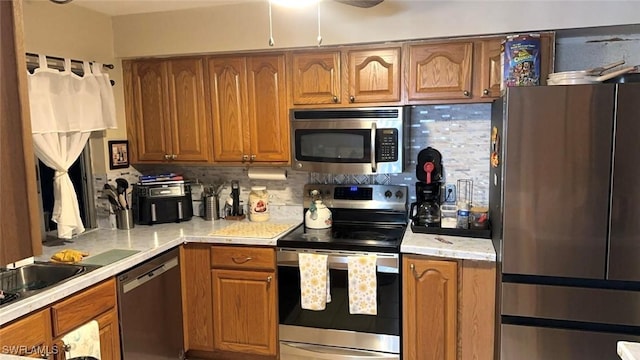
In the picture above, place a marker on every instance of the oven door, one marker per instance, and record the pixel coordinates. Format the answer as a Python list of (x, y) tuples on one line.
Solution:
[(335, 326)]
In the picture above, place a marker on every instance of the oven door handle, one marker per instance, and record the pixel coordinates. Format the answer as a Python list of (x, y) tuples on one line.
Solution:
[(303, 351), (340, 262), (374, 166)]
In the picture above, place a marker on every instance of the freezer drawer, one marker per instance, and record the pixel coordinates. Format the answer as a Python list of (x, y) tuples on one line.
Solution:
[(571, 303), (542, 343)]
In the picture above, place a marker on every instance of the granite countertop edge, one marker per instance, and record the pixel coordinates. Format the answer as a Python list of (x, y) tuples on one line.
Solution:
[(156, 239), (150, 241)]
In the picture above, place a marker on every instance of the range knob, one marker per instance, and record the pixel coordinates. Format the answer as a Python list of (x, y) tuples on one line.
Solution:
[(399, 194), (388, 194)]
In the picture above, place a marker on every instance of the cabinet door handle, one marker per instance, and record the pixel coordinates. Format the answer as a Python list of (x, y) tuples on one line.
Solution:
[(335, 99), (466, 93), (167, 156), (269, 278), (352, 98), (241, 260), (253, 157), (485, 91), (245, 157)]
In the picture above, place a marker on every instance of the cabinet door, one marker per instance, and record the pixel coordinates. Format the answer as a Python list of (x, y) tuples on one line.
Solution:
[(374, 75), (197, 318), (109, 335), (440, 71), (228, 84), (268, 116), (488, 69), (188, 117), (429, 310), (148, 111), (21, 217), (244, 311), (315, 78), (29, 336)]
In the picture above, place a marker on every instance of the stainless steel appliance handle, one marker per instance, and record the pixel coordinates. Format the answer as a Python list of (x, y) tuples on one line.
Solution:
[(297, 351), (180, 216), (374, 166), (149, 275), (385, 263), (154, 217)]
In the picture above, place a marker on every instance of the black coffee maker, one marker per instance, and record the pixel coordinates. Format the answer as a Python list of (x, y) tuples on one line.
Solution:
[(430, 174)]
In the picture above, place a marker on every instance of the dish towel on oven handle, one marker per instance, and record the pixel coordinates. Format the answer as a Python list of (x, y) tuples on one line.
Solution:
[(362, 285), (314, 281)]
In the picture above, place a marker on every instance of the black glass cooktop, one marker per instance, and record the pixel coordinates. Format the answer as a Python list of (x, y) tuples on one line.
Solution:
[(355, 237)]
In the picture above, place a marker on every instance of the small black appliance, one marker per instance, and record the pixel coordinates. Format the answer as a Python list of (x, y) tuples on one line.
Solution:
[(162, 202), (430, 173)]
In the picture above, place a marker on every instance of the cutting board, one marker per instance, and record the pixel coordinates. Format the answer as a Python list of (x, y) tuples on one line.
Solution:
[(109, 257), (252, 230)]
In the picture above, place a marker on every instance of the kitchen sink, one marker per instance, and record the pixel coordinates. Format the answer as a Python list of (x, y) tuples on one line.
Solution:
[(30, 279)]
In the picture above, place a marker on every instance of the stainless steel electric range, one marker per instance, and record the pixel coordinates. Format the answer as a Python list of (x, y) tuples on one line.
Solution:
[(367, 219)]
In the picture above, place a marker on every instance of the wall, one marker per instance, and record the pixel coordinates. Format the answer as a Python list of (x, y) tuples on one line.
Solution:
[(245, 25)]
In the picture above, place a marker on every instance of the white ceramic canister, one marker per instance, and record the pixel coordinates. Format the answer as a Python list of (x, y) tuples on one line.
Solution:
[(259, 204)]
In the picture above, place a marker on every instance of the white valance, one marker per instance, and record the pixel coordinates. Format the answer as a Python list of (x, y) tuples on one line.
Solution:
[(65, 108)]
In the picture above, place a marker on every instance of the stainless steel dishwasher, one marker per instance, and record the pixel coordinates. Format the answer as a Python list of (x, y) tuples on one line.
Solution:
[(150, 307)]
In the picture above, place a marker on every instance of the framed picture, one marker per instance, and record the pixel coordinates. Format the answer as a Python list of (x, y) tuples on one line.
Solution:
[(118, 154)]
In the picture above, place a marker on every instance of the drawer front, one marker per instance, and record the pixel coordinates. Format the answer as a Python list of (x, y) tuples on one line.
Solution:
[(81, 308), (241, 257), (29, 336)]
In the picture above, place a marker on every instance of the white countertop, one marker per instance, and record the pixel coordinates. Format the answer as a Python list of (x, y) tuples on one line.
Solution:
[(454, 247), (156, 239), (629, 350), (150, 240)]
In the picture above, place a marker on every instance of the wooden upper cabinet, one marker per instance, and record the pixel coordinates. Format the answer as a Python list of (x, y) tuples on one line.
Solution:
[(268, 116), (188, 116), (228, 83), (488, 68), (440, 70), (147, 110), (430, 306), (249, 109), (20, 235), (353, 75), (315, 77), (166, 110), (374, 75)]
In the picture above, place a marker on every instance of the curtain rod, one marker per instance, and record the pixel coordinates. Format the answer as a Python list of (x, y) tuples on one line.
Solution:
[(33, 64)]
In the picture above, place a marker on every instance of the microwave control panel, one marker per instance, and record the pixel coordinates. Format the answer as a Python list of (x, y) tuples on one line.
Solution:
[(387, 145)]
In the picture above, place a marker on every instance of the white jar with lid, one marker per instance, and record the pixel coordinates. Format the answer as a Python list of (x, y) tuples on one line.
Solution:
[(259, 204)]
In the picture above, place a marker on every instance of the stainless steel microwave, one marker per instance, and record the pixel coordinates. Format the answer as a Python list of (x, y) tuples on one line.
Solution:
[(349, 141)]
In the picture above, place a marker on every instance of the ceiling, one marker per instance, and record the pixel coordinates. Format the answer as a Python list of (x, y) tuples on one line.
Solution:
[(126, 7)]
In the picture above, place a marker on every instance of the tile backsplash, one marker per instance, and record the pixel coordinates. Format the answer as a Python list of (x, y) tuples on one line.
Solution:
[(460, 132)]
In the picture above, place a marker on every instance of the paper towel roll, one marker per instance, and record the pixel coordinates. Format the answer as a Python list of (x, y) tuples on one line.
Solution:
[(267, 174)]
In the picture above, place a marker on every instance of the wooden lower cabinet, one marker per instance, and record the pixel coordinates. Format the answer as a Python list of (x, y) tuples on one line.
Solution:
[(429, 309), (229, 302), (40, 333), (448, 309), (29, 336), (244, 311), (109, 335), (197, 318)]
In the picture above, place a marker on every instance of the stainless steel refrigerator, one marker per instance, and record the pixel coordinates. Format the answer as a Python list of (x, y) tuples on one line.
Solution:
[(565, 212)]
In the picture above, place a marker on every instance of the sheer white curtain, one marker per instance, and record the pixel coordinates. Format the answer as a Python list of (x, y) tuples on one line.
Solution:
[(65, 109)]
